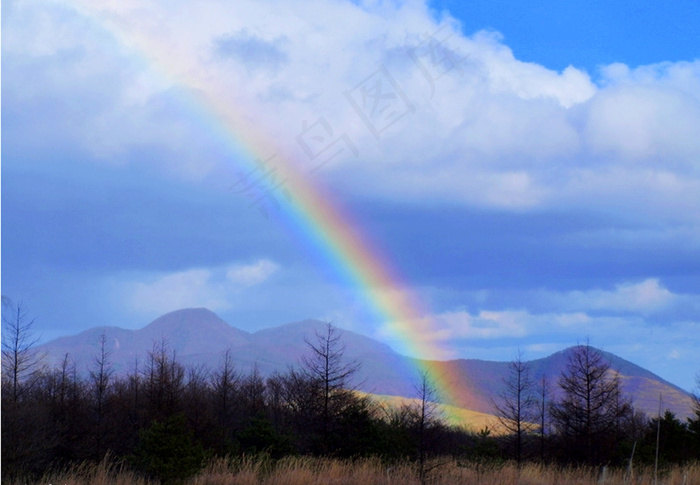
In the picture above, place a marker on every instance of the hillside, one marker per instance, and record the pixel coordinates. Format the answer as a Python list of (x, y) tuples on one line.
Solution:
[(199, 337)]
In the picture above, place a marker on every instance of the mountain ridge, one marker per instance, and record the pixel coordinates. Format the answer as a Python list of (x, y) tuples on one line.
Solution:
[(198, 337)]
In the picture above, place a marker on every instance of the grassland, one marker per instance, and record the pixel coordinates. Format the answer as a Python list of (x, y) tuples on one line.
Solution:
[(316, 471)]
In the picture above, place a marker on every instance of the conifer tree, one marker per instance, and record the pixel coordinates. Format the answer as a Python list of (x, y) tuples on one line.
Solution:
[(588, 415)]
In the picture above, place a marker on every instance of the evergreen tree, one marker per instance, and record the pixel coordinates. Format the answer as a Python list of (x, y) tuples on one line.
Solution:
[(675, 441), (587, 417), (167, 451)]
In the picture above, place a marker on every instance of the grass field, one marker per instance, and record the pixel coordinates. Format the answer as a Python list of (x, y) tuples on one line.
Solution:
[(314, 471)]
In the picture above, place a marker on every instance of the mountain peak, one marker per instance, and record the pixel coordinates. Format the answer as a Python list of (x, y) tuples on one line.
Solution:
[(193, 331), (187, 317)]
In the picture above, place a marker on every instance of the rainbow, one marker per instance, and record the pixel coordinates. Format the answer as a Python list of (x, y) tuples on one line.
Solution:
[(309, 211)]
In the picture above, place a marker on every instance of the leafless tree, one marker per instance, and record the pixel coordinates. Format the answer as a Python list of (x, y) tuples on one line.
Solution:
[(164, 380), (251, 394), (426, 418), (100, 377), (224, 381), (20, 359), (515, 406), (326, 367), (696, 396), (543, 402), (196, 399)]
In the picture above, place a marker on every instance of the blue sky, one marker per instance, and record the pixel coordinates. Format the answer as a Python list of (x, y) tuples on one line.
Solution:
[(543, 187), (586, 35)]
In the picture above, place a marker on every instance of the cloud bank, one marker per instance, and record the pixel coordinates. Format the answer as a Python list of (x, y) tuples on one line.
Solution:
[(471, 124)]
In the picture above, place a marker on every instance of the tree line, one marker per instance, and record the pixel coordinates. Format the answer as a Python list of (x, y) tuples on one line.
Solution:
[(164, 419), (589, 420)]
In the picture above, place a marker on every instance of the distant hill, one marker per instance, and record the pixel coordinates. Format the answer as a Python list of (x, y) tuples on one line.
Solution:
[(189, 332), (198, 336)]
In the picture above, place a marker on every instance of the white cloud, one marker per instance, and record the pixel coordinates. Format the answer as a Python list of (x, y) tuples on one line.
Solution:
[(646, 125), (164, 293), (214, 288), (441, 334), (515, 324), (484, 325), (251, 274), (642, 297), (630, 317), (500, 334), (484, 128)]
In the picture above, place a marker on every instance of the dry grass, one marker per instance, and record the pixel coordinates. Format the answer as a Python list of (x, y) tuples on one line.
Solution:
[(104, 473), (314, 471)]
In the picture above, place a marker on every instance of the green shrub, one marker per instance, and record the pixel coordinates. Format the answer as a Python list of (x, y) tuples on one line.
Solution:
[(167, 451)]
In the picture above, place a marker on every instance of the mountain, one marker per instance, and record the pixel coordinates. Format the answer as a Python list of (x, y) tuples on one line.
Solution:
[(484, 380), (189, 332), (197, 336)]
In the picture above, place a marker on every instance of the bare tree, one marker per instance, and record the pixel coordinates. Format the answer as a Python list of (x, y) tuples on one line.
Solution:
[(20, 359), (64, 379), (276, 397), (224, 381), (332, 375), (299, 397), (426, 418), (129, 409), (515, 406), (696, 396), (543, 402), (251, 394), (196, 398), (100, 376), (164, 382)]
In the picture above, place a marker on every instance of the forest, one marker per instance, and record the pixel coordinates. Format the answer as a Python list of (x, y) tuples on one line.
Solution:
[(168, 423)]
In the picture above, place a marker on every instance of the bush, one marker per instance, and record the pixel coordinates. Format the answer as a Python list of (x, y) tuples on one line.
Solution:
[(167, 451), (261, 437)]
